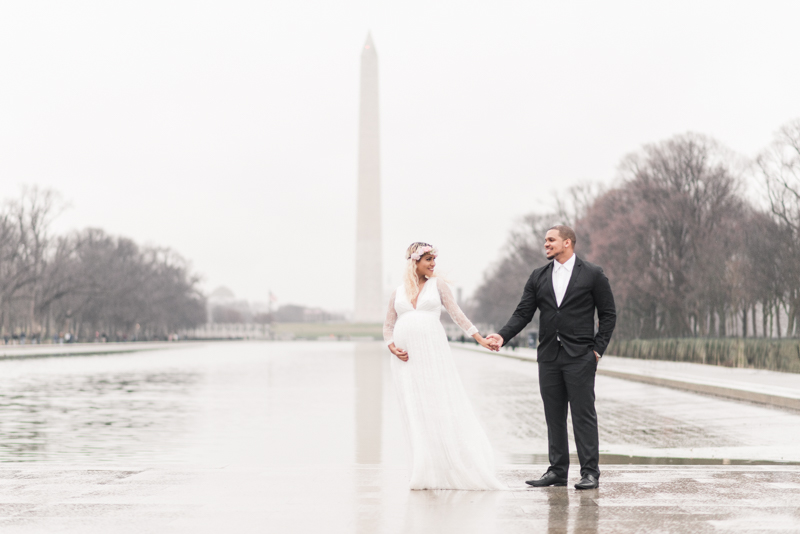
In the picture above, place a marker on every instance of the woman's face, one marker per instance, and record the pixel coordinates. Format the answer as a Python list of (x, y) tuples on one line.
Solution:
[(426, 264)]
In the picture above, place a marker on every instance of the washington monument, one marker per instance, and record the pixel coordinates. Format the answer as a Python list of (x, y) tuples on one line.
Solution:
[(369, 249)]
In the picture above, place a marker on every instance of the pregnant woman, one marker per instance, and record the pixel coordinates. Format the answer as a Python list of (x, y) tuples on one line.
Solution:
[(448, 447)]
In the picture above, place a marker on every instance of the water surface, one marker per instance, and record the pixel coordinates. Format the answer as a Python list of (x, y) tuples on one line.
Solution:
[(331, 403)]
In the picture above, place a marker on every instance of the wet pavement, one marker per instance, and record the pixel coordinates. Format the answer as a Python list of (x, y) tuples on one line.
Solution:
[(373, 499), (305, 437)]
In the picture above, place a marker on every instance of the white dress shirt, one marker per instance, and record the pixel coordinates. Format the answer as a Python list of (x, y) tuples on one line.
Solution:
[(561, 275)]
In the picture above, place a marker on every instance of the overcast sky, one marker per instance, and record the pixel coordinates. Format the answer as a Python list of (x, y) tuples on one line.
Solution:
[(227, 130)]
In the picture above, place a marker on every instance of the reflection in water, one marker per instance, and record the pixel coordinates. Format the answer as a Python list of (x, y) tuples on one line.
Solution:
[(451, 511), (52, 416), (584, 519), (557, 510), (368, 365), (588, 512)]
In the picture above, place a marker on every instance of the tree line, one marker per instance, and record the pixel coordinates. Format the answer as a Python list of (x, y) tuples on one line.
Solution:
[(88, 284), (689, 251)]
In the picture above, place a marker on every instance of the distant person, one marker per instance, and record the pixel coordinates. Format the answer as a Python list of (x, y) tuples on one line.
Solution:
[(566, 291), (449, 449)]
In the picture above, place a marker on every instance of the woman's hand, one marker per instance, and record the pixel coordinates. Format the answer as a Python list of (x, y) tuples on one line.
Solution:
[(400, 353), (483, 342)]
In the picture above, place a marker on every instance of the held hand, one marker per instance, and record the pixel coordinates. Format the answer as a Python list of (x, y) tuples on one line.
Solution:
[(496, 341), (483, 342), (400, 353)]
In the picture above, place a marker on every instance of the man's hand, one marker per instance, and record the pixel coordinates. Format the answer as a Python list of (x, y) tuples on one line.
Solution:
[(400, 353), (495, 342), (596, 355)]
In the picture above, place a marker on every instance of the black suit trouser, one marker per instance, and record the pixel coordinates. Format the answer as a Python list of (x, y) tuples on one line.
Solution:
[(569, 382)]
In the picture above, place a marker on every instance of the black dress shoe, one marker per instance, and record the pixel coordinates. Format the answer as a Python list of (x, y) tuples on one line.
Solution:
[(548, 479), (587, 482)]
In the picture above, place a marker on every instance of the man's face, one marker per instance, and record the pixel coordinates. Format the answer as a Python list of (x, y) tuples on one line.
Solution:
[(553, 244)]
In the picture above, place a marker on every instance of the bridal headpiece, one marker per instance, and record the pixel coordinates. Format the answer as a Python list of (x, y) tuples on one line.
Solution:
[(421, 250)]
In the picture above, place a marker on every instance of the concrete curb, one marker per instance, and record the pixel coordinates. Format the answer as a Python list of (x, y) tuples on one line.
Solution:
[(87, 349)]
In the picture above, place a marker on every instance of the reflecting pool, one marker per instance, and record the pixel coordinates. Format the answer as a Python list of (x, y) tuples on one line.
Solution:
[(332, 403)]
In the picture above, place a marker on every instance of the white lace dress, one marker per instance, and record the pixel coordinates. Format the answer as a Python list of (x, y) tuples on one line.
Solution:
[(448, 447)]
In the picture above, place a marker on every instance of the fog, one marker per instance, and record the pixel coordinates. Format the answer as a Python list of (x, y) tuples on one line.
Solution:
[(228, 130)]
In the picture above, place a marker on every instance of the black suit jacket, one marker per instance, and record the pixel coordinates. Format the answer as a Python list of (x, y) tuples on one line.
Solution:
[(573, 321)]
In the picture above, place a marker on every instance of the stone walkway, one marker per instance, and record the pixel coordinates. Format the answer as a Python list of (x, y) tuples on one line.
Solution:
[(754, 385), (374, 499)]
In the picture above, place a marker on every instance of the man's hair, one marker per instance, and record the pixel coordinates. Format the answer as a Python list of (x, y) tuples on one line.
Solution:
[(565, 232)]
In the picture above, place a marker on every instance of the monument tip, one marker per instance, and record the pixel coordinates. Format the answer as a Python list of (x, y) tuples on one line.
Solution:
[(369, 44)]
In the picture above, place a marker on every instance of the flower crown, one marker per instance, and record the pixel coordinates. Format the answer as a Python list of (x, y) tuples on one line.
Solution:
[(422, 251)]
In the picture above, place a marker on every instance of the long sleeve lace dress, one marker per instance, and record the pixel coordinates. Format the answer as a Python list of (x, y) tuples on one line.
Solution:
[(448, 447)]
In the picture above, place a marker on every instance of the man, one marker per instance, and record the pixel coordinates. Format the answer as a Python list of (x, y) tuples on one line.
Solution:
[(566, 291)]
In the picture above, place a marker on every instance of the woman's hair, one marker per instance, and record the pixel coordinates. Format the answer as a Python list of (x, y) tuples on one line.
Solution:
[(410, 278)]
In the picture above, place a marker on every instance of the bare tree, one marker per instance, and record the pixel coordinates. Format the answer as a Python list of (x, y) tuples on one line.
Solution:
[(127, 291), (25, 234), (495, 299), (682, 247), (88, 281), (780, 167), (662, 235)]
